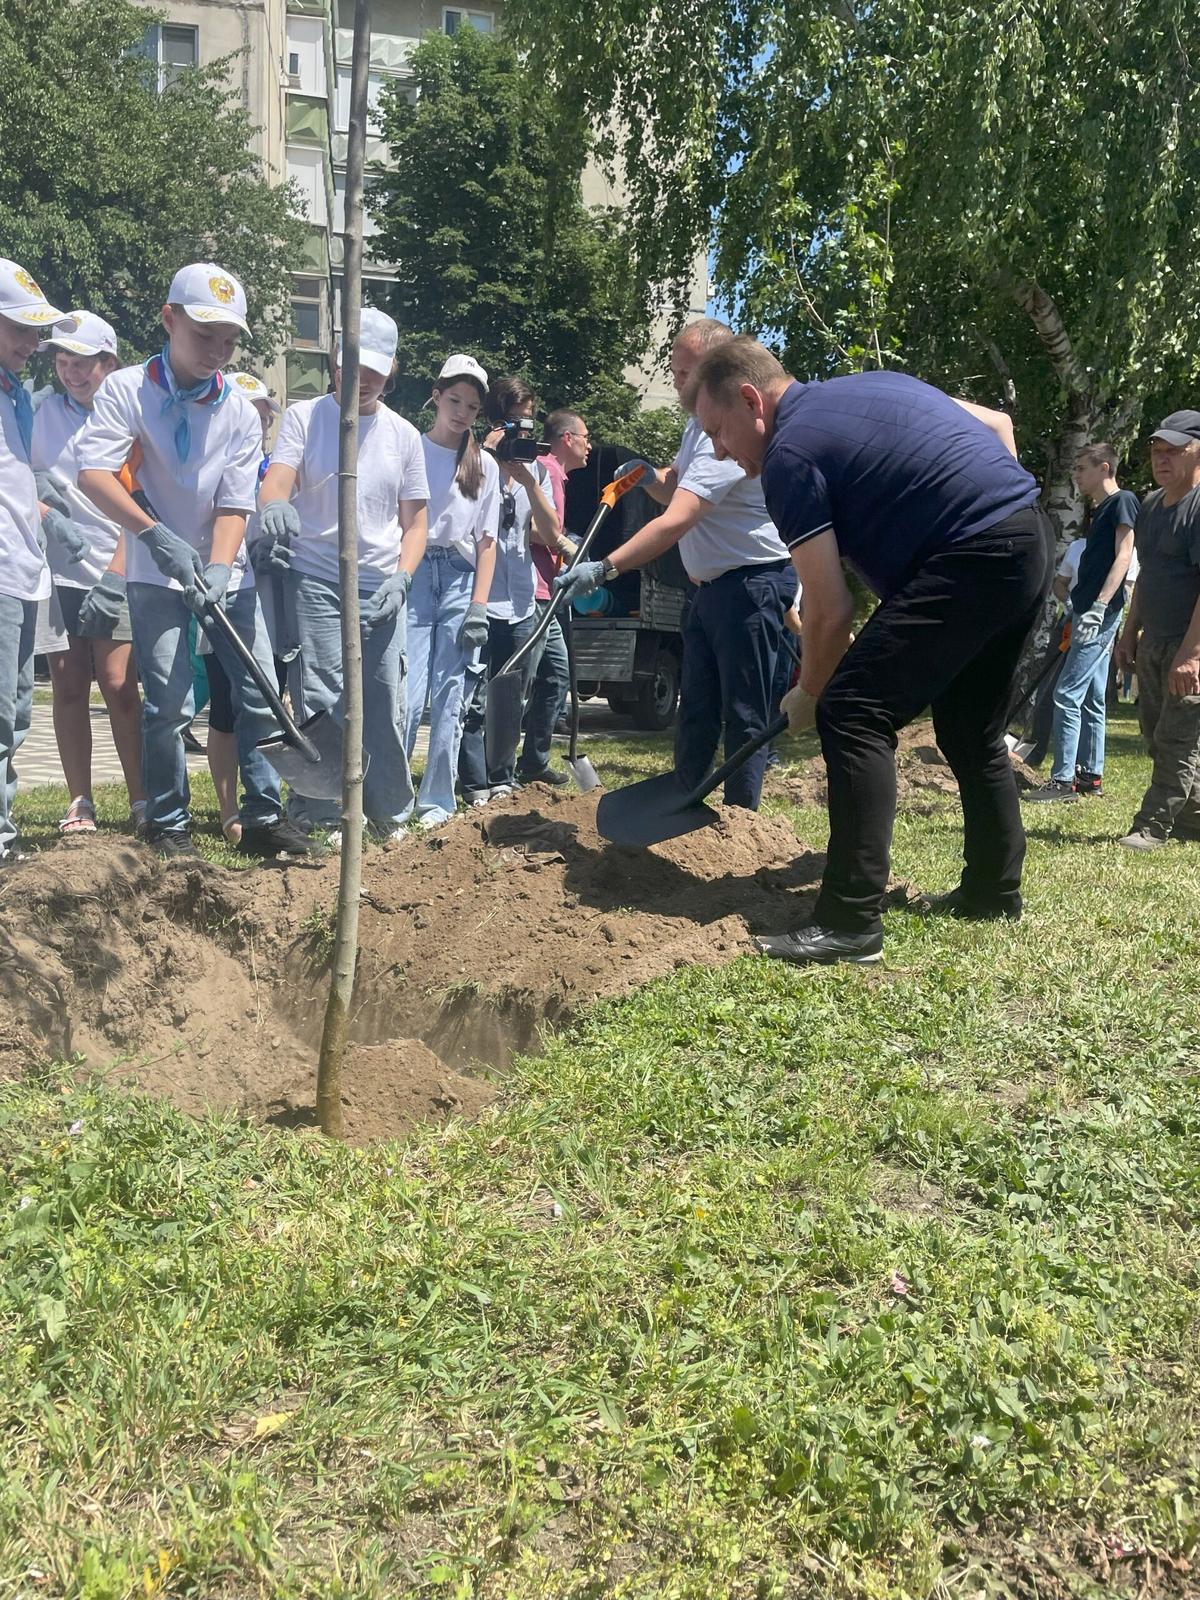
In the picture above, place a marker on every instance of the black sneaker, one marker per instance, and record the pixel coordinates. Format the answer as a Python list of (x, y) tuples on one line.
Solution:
[(824, 945), (548, 775), (1053, 789), (171, 842), (957, 904), (1089, 784), (190, 742), (280, 838)]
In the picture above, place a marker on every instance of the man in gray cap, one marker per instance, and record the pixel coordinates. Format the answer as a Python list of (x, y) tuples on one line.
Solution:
[(1161, 636)]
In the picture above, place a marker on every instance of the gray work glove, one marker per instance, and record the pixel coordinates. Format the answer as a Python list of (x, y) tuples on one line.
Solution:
[(387, 600), (800, 708), (101, 609), (473, 634), (68, 535), (649, 473), (1087, 625), (174, 557), (280, 520), (210, 590), (269, 556), (52, 492), (581, 580)]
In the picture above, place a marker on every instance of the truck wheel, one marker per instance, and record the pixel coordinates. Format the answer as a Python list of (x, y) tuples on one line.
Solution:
[(621, 705), (658, 695)]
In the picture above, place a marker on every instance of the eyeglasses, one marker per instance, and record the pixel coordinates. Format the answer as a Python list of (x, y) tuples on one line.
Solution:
[(508, 501)]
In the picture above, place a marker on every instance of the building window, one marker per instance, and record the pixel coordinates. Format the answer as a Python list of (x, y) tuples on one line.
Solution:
[(304, 54), (481, 21), (370, 226), (375, 83), (174, 49), (306, 312)]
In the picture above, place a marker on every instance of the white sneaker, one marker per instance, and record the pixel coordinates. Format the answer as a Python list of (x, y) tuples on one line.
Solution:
[(482, 798), (502, 791)]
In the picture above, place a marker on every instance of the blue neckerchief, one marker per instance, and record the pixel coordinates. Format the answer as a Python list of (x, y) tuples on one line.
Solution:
[(211, 392), (16, 391)]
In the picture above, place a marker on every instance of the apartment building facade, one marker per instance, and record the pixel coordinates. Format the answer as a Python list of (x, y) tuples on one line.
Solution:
[(289, 62)]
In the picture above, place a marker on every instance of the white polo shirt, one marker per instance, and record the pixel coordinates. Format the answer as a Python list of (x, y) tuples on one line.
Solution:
[(737, 532), (24, 574), (57, 426), (456, 523), (391, 468), (220, 473)]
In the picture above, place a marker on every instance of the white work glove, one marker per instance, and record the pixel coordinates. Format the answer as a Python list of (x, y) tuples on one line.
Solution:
[(800, 708)]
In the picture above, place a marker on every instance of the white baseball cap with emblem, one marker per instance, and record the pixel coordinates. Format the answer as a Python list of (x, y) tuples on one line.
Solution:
[(83, 333), (209, 294), (460, 366), (377, 339), (21, 298), (253, 388)]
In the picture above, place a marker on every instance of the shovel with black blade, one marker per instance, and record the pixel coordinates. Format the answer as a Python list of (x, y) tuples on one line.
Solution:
[(505, 700)]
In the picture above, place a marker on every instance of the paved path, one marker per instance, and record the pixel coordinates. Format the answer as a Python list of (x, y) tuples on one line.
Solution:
[(37, 760)]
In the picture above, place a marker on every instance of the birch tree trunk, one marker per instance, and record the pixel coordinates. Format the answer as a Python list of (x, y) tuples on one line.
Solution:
[(345, 943)]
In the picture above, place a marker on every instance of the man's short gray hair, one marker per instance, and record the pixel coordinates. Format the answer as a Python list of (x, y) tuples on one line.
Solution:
[(704, 333)]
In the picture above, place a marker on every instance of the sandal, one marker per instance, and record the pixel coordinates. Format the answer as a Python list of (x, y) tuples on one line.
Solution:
[(80, 817)]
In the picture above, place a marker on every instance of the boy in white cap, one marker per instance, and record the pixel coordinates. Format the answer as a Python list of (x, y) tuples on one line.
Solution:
[(193, 443), (300, 517), (25, 315), (90, 597)]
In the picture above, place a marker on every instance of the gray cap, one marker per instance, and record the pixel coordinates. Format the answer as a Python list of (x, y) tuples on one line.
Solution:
[(1181, 427)]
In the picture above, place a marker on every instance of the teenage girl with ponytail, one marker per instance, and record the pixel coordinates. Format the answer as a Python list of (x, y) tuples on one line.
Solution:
[(447, 607)]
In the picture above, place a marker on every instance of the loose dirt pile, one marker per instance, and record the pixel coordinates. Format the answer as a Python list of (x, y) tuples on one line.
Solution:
[(210, 984), (921, 774)]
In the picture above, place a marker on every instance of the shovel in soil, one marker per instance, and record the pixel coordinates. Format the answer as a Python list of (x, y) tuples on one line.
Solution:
[(661, 808), (502, 724), (580, 767)]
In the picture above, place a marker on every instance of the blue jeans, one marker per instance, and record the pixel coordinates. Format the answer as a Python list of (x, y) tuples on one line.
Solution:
[(437, 669), (314, 611), (732, 628), (159, 619), (18, 622), (1077, 738), (547, 697)]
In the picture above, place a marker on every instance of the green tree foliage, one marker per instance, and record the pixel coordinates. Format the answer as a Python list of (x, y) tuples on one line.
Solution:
[(1000, 197), (495, 251), (107, 187)]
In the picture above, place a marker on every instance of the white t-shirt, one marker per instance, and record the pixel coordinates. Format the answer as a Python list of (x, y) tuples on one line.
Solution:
[(514, 585), (220, 473), (24, 574), (737, 532), (1068, 567), (57, 426), (456, 523), (391, 468)]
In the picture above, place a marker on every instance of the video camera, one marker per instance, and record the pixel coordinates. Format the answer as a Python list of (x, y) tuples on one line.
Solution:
[(519, 441)]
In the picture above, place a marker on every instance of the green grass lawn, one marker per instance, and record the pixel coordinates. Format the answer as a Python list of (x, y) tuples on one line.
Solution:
[(760, 1283)]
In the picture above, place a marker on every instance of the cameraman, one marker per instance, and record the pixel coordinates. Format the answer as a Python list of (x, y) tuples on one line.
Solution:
[(527, 517)]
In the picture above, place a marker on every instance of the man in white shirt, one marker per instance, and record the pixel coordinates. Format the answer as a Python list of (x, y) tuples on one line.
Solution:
[(25, 316), (193, 442), (744, 584)]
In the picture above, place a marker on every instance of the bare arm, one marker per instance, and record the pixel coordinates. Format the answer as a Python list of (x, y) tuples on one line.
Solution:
[(1184, 677), (1061, 587), (414, 525), (229, 529), (1123, 554), (279, 483), (1127, 644), (545, 527), (998, 421), (659, 535), (485, 568), (662, 486), (828, 610), (105, 490)]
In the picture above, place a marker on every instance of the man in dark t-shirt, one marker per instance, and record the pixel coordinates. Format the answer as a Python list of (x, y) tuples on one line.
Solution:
[(1161, 636), (924, 497), (1097, 600)]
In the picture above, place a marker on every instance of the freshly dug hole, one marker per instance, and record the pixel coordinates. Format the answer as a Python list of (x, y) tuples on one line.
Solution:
[(211, 984)]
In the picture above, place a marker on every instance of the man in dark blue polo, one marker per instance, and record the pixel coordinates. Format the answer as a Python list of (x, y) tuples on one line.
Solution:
[(924, 497)]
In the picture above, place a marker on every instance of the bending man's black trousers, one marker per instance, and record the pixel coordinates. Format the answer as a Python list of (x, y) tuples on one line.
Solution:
[(950, 639)]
